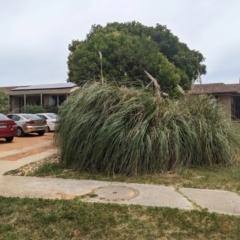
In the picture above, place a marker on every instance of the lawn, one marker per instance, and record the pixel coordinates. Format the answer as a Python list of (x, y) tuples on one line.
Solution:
[(73, 219)]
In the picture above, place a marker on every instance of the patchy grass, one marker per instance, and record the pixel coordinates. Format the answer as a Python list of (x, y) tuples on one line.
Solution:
[(63, 219)]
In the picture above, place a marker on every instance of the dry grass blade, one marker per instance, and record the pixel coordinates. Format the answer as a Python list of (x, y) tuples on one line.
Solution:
[(180, 89), (157, 88)]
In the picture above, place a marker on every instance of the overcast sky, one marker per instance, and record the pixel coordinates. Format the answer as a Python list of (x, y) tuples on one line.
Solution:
[(35, 34)]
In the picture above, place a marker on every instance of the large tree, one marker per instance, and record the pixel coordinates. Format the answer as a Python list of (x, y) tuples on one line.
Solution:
[(121, 52), (4, 102)]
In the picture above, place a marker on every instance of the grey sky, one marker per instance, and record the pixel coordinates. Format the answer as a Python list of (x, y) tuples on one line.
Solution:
[(35, 33)]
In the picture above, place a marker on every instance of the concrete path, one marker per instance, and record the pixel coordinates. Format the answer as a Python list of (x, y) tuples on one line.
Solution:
[(123, 193)]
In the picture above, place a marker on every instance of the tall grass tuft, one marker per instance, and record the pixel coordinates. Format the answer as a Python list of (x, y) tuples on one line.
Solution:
[(109, 129)]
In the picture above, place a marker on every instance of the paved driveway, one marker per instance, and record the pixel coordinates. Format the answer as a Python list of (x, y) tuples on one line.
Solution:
[(25, 146)]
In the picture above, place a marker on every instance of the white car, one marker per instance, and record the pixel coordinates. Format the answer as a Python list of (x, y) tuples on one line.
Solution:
[(51, 119)]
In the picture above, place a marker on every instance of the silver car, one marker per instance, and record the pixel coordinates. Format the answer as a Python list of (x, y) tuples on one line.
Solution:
[(28, 123), (51, 119)]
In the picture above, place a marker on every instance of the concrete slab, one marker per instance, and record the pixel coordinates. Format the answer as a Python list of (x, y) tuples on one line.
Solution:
[(127, 193), (50, 188), (114, 192), (148, 195), (56, 188), (6, 166), (151, 195), (214, 200)]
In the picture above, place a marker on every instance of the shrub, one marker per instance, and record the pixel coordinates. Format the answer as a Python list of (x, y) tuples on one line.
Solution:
[(40, 109), (51, 109), (4, 102), (104, 128)]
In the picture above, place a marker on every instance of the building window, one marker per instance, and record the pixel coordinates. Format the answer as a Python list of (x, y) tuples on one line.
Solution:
[(235, 106)]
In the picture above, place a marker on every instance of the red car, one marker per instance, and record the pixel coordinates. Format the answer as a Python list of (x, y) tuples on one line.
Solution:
[(8, 128)]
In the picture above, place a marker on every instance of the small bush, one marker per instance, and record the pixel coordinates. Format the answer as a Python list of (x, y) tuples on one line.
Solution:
[(108, 129), (4, 102), (51, 109), (40, 109)]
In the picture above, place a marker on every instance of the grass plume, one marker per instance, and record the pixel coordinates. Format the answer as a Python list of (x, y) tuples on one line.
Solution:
[(109, 129)]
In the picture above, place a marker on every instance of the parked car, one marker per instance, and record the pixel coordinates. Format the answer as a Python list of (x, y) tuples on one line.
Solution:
[(8, 128), (51, 119), (28, 123)]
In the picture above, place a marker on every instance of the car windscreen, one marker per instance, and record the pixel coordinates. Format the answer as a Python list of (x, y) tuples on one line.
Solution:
[(31, 116), (3, 117)]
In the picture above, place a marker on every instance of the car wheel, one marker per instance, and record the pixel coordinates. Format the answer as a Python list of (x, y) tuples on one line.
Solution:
[(40, 133), (9, 139), (48, 129), (20, 132)]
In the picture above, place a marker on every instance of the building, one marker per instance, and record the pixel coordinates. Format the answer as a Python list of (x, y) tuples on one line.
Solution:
[(228, 95), (43, 94)]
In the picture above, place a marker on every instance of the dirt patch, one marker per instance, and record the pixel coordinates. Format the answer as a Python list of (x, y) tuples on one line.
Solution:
[(27, 141), (18, 156), (31, 167)]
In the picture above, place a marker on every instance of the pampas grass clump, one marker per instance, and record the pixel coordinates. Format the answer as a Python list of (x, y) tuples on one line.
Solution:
[(110, 129)]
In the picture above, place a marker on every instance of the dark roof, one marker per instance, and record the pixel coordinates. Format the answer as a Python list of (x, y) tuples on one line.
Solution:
[(215, 88), (235, 87), (45, 86), (9, 89)]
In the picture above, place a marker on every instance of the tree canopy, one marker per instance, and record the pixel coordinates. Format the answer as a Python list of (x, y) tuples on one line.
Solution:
[(4, 102), (122, 51)]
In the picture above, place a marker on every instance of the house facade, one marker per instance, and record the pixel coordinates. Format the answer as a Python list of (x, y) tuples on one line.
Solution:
[(228, 95), (43, 95)]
